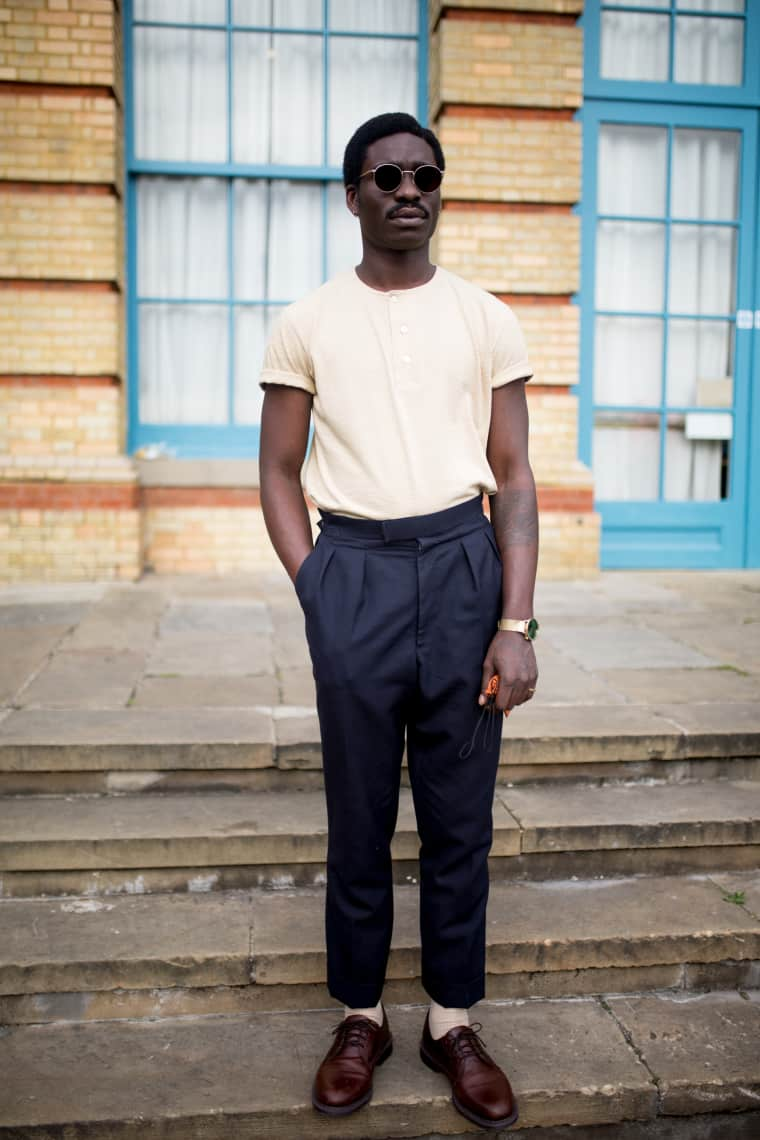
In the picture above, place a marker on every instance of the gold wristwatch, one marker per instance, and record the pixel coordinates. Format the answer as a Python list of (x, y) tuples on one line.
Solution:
[(528, 627)]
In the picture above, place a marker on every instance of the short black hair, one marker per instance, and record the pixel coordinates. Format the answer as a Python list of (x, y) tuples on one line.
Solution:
[(393, 123)]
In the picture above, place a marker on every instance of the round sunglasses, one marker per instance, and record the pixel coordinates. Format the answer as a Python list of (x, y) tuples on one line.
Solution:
[(388, 177)]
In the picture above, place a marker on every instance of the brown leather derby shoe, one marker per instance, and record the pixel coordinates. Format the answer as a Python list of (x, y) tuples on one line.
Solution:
[(344, 1079), (479, 1089)]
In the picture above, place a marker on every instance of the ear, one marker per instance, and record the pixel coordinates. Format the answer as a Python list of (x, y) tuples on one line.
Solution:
[(352, 195)]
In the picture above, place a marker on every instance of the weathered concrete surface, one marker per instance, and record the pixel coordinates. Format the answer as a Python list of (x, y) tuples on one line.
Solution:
[(196, 1077), (85, 679), (611, 645), (24, 651), (583, 818), (703, 1049), (206, 692), (78, 739), (187, 830), (719, 685)]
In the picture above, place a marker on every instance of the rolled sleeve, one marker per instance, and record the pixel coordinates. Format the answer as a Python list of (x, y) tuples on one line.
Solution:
[(287, 360), (509, 356)]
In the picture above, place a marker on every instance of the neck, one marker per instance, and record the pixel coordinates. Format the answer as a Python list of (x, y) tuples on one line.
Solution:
[(387, 269)]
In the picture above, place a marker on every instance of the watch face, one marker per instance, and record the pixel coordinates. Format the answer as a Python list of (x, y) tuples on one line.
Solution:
[(532, 628)]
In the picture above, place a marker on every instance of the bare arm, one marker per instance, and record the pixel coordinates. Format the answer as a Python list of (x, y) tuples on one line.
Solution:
[(284, 438), (514, 516)]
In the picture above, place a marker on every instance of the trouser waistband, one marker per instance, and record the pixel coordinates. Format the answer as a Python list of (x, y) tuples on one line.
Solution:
[(400, 530)]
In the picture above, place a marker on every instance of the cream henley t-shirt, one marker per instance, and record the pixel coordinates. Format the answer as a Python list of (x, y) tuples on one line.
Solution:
[(402, 390)]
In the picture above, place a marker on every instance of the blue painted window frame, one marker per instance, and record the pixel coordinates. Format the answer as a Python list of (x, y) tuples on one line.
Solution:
[(222, 440), (641, 534)]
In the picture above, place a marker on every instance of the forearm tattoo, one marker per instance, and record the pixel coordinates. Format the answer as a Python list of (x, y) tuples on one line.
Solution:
[(514, 516)]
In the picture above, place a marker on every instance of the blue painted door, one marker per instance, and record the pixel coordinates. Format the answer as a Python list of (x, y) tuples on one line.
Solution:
[(669, 291)]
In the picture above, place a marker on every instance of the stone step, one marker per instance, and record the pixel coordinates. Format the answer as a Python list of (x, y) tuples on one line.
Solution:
[(221, 952), (133, 844), (64, 751), (584, 1062)]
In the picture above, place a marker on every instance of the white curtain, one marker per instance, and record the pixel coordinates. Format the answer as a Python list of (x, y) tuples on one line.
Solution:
[(707, 50), (630, 278), (284, 233)]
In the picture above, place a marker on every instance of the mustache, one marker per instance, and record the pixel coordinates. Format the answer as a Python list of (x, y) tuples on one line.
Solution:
[(407, 206)]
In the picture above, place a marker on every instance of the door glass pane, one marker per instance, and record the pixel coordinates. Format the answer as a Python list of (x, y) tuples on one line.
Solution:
[(637, 3), (696, 470), (183, 364), (709, 50), (252, 327), (626, 456), (632, 169), (627, 361), (181, 11), (277, 99), (634, 46), (278, 239), (705, 178), (344, 248), (630, 265), (396, 16), (700, 364), (180, 99), (362, 73), (708, 5), (278, 13), (702, 269), (182, 237)]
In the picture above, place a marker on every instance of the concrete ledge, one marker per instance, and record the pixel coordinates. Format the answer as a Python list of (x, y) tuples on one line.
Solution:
[(164, 472)]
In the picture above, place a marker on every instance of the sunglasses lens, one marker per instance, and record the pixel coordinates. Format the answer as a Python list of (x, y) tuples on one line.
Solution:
[(428, 178), (388, 177)]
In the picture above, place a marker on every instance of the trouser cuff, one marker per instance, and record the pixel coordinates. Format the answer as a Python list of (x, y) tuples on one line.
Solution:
[(455, 995), (356, 995)]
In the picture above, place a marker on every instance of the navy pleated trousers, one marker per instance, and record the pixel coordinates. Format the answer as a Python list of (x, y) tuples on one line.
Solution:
[(399, 616)]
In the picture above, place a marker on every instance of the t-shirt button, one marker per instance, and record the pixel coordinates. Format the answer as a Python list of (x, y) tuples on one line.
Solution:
[(404, 329), (406, 360)]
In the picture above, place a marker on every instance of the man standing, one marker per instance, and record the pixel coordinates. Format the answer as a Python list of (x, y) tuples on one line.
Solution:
[(413, 600)]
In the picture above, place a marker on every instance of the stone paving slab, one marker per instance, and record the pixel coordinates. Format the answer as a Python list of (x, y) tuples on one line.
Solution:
[(206, 692), (198, 1077), (719, 686), (24, 650), (625, 646), (85, 679), (610, 817), (50, 945), (223, 616), (177, 830), (703, 1048), (189, 654), (82, 739), (125, 617)]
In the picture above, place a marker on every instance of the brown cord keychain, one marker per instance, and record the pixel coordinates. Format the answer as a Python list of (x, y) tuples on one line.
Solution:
[(489, 708)]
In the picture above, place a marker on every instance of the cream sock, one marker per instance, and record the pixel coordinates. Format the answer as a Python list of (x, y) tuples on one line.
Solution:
[(374, 1013), (442, 1019)]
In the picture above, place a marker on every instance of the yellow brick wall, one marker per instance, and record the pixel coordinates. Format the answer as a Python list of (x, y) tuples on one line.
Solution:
[(569, 545), (552, 335), (518, 160), (206, 540), (58, 138), (59, 332), (508, 252), (58, 41), (74, 420), (504, 63), (59, 236), (69, 545)]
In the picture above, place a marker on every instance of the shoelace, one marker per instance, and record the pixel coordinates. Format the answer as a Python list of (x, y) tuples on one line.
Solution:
[(468, 1043), (353, 1032)]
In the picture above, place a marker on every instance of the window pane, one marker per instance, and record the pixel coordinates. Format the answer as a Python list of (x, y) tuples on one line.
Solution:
[(709, 50), (398, 16), (702, 269), (712, 5), (627, 361), (700, 364), (637, 3), (634, 46), (626, 456), (632, 169), (182, 237), (630, 266), (362, 73), (183, 364), (696, 470), (278, 239), (344, 247), (705, 176), (252, 327), (180, 95), (278, 13), (277, 99), (181, 11)]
